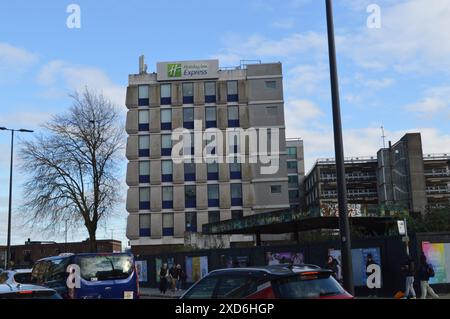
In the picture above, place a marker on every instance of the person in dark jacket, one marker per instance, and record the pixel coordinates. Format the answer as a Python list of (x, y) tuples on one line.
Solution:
[(423, 274), (409, 270), (332, 265), (163, 275)]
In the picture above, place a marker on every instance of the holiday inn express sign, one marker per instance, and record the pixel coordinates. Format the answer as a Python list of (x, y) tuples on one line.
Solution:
[(187, 70)]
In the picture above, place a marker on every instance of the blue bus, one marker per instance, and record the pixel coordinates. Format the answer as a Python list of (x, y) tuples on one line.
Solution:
[(102, 275)]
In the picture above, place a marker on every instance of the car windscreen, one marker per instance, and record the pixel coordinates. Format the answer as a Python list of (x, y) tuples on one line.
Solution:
[(105, 267), (22, 277), (307, 286)]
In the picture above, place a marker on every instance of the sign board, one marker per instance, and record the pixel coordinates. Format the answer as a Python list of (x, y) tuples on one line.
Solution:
[(401, 227), (187, 70)]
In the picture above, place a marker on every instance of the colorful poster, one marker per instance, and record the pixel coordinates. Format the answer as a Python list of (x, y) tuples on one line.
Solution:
[(141, 269), (196, 268), (159, 263), (284, 258), (436, 256)]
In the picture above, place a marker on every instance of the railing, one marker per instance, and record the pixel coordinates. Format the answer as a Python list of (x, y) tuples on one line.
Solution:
[(359, 159), (350, 193), (442, 156), (332, 177), (438, 190), (438, 173)]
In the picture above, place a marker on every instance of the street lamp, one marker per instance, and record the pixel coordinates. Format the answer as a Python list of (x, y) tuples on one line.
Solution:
[(8, 249), (344, 228)]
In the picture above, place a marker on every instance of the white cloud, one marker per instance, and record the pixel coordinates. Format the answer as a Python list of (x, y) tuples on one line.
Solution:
[(287, 23), (75, 77), (307, 78), (14, 61), (436, 102), (27, 119)]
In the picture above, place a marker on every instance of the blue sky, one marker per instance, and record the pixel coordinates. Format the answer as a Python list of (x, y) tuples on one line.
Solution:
[(396, 76)]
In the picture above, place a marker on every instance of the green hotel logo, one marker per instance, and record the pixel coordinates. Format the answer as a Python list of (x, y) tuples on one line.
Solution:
[(174, 70)]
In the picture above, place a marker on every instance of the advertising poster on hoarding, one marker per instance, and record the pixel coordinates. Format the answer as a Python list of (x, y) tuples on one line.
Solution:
[(158, 264), (359, 259), (296, 258), (196, 268), (141, 269), (438, 255)]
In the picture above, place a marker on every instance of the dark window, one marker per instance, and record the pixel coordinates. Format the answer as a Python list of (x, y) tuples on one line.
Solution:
[(166, 94), (270, 85), (166, 145), (292, 151), (144, 225), (204, 289), (233, 116), (189, 172), (275, 189), (190, 199), (191, 221), (167, 224), (144, 120), (213, 195), (144, 145), (143, 95), (292, 165), (293, 180), (235, 170), (166, 171), (213, 171), (166, 119), (188, 93), (144, 198), (144, 172), (232, 91), (236, 194), (294, 195), (213, 217), (167, 197), (210, 92), (210, 117), (106, 267), (188, 118)]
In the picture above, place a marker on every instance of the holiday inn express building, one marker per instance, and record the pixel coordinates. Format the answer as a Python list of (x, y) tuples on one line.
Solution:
[(167, 198)]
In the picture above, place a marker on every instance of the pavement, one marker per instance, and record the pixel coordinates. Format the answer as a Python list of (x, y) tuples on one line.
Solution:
[(154, 293)]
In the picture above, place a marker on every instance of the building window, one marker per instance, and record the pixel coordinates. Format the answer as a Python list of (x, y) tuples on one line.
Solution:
[(166, 171), (293, 180), (167, 197), (294, 196), (270, 85), (210, 117), (144, 225), (190, 196), (292, 165), (188, 118), (144, 145), (213, 171), (213, 195), (235, 170), (188, 93), (167, 224), (275, 189), (191, 221), (292, 151), (189, 172), (166, 145), (144, 120), (143, 97), (210, 92), (233, 116), (144, 172), (213, 217), (232, 91), (237, 214), (236, 194), (166, 119), (144, 198), (166, 94)]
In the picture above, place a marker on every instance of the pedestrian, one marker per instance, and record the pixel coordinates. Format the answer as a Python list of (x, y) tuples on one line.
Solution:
[(172, 277), (370, 261), (409, 270), (179, 275), (332, 265), (425, 272), (163, 275)]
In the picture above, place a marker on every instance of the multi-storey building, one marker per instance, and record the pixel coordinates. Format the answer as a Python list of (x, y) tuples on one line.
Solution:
[(296, 173), (437, 178), (166, 198)]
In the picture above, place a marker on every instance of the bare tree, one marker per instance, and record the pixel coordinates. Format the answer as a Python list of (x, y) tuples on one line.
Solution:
[(72, 167)]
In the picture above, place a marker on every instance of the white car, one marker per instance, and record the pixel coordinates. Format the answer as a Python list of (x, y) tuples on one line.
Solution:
[(15, 277)]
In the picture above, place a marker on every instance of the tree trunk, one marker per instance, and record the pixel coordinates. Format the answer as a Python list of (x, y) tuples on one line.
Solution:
[(92, 240)]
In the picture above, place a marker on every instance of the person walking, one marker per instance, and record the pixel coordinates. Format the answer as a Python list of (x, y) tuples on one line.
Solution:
[(179, 276), (172, 277), (332, 265), (425, 272), (163, 275), (409, 271)]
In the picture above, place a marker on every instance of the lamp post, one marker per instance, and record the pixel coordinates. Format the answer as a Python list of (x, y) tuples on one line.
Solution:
[(344, 227), (8, 249)]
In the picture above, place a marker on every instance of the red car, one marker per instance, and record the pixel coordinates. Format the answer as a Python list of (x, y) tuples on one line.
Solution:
[(271, 282)]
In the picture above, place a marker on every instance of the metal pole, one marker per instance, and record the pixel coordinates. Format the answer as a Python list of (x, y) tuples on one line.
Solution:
[(8, 249), (344, 227), (406, 237)]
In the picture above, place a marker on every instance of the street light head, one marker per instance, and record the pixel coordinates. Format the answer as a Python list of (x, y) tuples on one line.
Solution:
[(3, 128), (27, 131)]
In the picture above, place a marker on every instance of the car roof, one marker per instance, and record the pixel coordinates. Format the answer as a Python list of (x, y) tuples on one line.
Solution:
[(22, 271), (276, 270), (69, 255)]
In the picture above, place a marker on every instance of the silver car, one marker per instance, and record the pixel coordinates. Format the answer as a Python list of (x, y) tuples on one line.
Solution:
[(15, 277)]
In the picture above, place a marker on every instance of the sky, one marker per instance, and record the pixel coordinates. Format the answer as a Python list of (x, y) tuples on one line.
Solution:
[(396, 75)]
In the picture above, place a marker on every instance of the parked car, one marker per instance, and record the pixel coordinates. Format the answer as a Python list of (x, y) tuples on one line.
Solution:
[(14, 277), (102, 275), (19, 291), (270, 282)]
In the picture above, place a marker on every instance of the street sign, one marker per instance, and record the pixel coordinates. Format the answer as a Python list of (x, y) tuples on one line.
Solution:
[(401, 227)]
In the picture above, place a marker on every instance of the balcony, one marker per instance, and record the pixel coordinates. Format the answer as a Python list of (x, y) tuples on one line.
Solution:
[(438, 190), (437, 173), (349, 177), (351, 193)]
